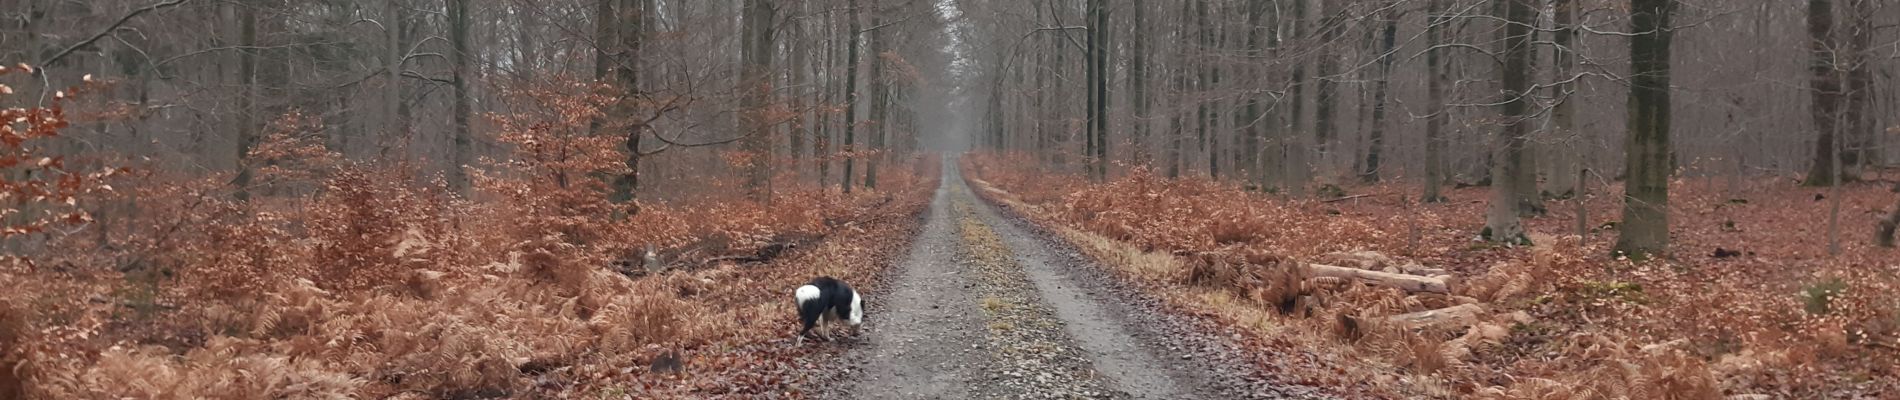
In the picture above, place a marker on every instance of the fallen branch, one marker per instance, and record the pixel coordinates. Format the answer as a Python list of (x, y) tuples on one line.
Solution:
[(1356, 196), (1410, 283), (1463, 314)]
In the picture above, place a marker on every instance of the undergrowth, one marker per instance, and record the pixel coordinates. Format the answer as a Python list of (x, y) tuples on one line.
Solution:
[(1560, 321), (349, 279)]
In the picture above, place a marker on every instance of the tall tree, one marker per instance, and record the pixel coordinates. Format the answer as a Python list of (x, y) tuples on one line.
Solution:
[(1138, 83), (1825, 88), (821, 143), (248, 121), (1859, 130), (1176, 125), (1248, 119), (1098, 90), (1435, 100), (1326, 101), (1299, 167), (1501, 220), (1530, 200), (396, 122), (1565, 163), (1645, 229), (798, 74), (622, 52), (460, 152), (850, 93), (1203, 84), (1375, 141), (879, 85), (606, 23), (756, 80)]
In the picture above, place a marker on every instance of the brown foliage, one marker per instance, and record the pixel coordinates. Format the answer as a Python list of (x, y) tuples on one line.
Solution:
[(38, 189), (13, 331), (1564, 321), (343, 279)]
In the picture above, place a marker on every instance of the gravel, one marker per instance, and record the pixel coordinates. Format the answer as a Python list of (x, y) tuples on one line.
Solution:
[(988, 305)]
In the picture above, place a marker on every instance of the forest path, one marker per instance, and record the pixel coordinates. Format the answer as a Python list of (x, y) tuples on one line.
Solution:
[(987, 306)]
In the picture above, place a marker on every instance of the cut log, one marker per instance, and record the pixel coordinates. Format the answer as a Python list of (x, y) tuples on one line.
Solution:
[(1366, 260), (1884, 233), (1410, 283), (1463, 314)]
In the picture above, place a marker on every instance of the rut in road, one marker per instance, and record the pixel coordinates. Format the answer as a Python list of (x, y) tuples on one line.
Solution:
[(984, 307)]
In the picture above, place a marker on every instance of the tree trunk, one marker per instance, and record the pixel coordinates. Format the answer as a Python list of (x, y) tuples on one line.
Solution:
[(1564, 163), (393, 16), (1204, 45), (1409, 283), (1058, 140), (1247, 121), (1375, 142), (247, 103), (821, 145), (850, 95), (1138, 85), (624, 65), (880, 97), (1826, 88), (1177, 128), (1645, 228), (799, 75), (756, 81), (606, 21), (1098, 90), (1530, 200), (1299, 168), (1326, 102), (1859, 129), (1435, 89), (1213, 46), (1501, 220), (459, 153), (1461, 315), (1042, 110)]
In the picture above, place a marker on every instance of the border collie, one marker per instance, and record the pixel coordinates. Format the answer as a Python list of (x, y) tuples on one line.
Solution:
[(829, 298)]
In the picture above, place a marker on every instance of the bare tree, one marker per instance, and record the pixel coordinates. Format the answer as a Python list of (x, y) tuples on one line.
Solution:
[(1501, 221), (1138, 82), (461, 154), (1098, 50), (1388, 36), (850, 93), (756, 85), (1645, 229), (247, 75), (1435, 122), (1825, 84)]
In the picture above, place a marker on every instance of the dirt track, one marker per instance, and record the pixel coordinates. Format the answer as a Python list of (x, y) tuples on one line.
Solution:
[(988, 306)]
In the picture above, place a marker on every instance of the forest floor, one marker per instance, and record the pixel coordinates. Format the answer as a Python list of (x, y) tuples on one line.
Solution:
[(473, 300), (986, 278), (1749, 302)]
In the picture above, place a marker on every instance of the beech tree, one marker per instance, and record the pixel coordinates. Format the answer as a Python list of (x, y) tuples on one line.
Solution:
[(1645, 229)]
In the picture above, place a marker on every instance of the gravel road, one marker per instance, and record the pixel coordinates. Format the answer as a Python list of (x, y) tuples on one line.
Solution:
[(989, 306)]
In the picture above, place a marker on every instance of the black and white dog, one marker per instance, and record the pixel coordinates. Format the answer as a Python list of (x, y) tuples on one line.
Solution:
[(829, 298)]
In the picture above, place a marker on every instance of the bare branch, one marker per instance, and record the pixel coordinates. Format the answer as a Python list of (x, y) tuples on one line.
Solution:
[(108, 30)]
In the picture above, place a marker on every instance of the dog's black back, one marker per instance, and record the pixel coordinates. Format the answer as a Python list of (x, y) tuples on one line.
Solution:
[(833, 302)]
